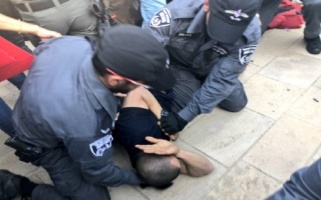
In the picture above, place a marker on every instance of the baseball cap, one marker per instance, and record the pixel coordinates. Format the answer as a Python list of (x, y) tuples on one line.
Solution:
[(135, 54), (229, 18)]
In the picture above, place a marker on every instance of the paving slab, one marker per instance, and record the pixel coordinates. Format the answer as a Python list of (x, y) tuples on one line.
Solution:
[(11, 98), (318, 83), (308, 107), (3, 83), (10, 162), (315, 157), (250, 70), (270, 97), (273, 44), (4, 90), (285, 147), (243, 182), (299, 47), (126, 192), (294, 69), (3, 148), (42, 174), (298, 31), (226, 136)]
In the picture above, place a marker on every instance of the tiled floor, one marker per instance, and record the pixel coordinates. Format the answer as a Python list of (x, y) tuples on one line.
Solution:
[(253, 151)]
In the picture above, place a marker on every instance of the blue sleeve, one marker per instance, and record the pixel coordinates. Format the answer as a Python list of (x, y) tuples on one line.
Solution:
[(160, 25), (223, 78), (94, 157), (218, 85), (303, 184)]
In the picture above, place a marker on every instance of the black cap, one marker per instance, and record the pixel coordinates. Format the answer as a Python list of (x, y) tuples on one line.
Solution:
[(134, 53), (229, 18)]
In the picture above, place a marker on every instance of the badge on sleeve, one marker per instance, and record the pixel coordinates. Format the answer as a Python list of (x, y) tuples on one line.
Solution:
[(245, 54), (220, 50), (162, 18), (99, 146)]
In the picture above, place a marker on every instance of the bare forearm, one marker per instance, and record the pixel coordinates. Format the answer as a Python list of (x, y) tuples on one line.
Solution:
[(194, 164), (10, 24)]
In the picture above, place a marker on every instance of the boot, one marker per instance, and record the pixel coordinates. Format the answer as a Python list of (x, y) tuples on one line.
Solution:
[(9, 185), (313, 45)]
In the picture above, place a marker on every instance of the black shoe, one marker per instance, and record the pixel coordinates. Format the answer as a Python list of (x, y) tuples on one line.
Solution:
[(313, 45), (9, 185)]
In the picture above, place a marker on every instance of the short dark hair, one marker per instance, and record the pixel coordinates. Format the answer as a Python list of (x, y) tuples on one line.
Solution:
[(99, 66), (157, 170)]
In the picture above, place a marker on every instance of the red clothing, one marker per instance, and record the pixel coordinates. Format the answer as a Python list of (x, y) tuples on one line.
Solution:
[(289, 17)]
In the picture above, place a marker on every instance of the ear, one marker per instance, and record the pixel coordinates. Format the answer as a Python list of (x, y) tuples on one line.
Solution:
[(206, 5), (113, 80)]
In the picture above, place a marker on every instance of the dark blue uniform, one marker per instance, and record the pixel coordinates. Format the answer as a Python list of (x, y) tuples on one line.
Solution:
[(206, 70), (63, 100), (303, 184)]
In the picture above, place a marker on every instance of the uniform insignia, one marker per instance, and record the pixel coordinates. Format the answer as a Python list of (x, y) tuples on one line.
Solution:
[(236, 14), (105, 131), (220, 50), (184, 35), (99, 146), (245, 54), (162, 18), (167, 63)]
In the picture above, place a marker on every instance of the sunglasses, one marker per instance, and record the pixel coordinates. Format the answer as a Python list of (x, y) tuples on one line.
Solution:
[(128, 79)]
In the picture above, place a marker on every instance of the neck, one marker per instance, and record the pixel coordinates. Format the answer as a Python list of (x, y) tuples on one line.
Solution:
[(102, 79)]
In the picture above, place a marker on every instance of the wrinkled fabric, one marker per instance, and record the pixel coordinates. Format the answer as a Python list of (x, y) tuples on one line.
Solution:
[(63, 100), (211, 68)]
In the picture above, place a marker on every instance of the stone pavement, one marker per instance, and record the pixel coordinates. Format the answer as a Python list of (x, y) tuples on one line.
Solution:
[(253, 151)]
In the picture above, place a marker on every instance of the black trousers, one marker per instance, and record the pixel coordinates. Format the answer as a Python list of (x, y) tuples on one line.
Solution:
[(68, 181), (267, 12)]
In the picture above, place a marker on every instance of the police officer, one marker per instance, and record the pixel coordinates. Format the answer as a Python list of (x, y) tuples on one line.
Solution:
[(303, 184), (312, 15), (68, 17), (9, 28), (210, 43), (66, 111)]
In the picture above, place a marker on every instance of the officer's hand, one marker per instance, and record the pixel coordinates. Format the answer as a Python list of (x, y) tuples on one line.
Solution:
[(159, 147), (45, 33), (172, 123)]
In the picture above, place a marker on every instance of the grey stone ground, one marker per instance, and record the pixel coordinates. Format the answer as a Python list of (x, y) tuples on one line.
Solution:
[(254, 151)]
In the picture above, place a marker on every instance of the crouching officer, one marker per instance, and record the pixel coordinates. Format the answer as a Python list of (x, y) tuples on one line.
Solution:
[(210, 43), (65, 114)]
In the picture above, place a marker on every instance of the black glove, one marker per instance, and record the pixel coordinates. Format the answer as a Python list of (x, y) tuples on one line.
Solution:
[(171, 122)]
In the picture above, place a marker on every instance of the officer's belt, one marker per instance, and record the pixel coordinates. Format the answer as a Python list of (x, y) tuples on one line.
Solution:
[(38, 5), (28, 152)]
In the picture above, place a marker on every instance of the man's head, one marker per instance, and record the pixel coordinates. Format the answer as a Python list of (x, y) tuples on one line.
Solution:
[(127, 56), (158, 170), (228, 19)]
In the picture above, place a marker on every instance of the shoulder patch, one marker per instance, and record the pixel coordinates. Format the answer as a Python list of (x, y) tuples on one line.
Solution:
[(220, 50), (245, 54), (99, 146), (162, 18)]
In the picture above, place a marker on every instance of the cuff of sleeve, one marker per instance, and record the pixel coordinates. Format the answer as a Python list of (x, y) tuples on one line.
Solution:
[(134, 179), (186, 114)]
